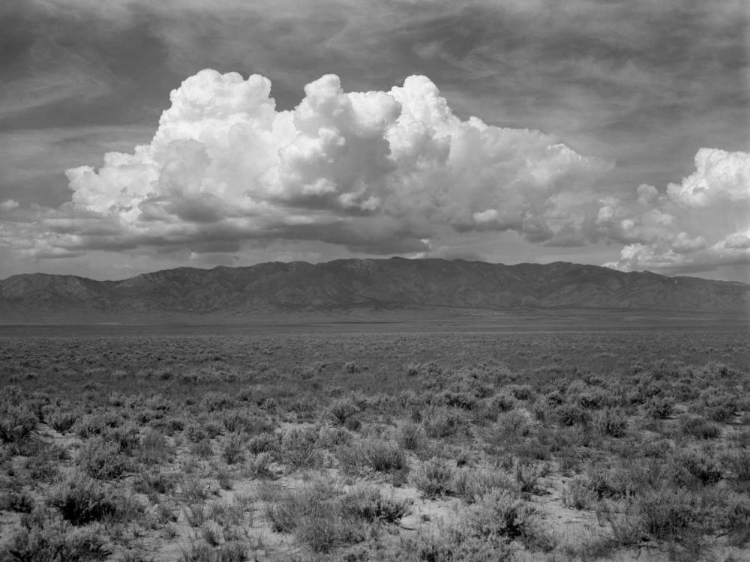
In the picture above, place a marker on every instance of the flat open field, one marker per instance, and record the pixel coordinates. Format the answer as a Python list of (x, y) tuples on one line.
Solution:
[(576, 438)]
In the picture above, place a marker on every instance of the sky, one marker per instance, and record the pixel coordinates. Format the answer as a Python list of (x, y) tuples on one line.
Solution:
[(139, 135)]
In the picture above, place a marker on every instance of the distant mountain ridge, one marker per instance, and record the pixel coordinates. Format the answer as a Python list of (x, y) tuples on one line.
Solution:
[(374, 284)]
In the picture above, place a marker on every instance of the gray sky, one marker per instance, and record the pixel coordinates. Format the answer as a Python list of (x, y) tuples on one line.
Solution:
[(607, 132)]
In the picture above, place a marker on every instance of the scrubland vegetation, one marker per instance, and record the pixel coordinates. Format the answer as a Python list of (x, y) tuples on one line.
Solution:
[(374, 446)]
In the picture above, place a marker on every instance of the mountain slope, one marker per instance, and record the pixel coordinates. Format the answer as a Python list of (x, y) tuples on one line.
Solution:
[(369, 284)]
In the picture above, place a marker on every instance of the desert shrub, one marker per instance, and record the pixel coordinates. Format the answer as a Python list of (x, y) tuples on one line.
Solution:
[(668, 514), (224, 477), (44, 536), (17, 422), (229, 514), (240, 421), (533, 449), (97, 424), (503, 401), (270, 405), (624, 522), (433, 478), (204, 429), (194, 490), (20, 502), (353, 423), (103, 460), (512, 427), (202, 449), (154, 482), (196, 514), (660, 408), (593, 399), (540, 411), (555, 398), (62, 420), (578, 495), (332, 437), (45, 460), (734, 517), (325, 530), (726, 403), (441, 422), (696, 465), (263, 443), (499, 516), (737, 465), (700, 428), (411, 436), (299, 448), (412, 369), (126, 436), (153, 448), (38, 402), (368, 503), (211, 533), (722, 413), (352, 367), (610, 483), (462, 400), (644, 391), (457, 542), (571, 414), (259, 466), (217, 401), (528, 474), (371, 454), (233, 448), (82, 500), (383, 456), (521, 392), (313, 513), (341, 410), (471, 485), (611, 422)]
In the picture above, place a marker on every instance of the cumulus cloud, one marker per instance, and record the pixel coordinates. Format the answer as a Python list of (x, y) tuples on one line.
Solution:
[(9, 205), (696, 225), (378, 172)]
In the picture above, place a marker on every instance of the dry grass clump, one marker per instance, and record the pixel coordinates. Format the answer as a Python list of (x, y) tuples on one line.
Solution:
[(46, 536), (486, 532), (17, 421), (82, 500), (323, 517), (371, 454)]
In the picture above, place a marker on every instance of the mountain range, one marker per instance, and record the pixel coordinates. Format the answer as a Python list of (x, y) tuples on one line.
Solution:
[(366, 284)]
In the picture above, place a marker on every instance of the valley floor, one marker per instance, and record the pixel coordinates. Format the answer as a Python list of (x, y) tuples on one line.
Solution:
[(386, 441)]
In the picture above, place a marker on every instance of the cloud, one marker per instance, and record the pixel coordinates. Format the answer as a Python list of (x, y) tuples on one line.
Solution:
[(376, 172), (696, 225), (9, 205), (68, 82), (34, 160)]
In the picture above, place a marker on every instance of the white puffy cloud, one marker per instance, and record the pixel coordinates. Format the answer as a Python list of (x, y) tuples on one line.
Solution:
[(374, 172), (9, 205), (696, 225), (719, 176), (377, 172)]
